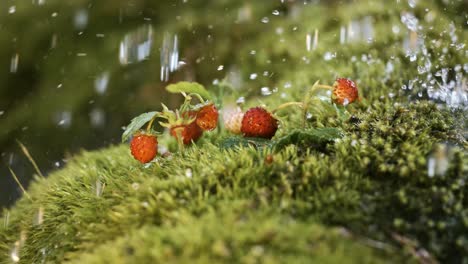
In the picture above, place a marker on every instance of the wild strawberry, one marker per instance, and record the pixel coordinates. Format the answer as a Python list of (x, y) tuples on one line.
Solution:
[(233, 119), (344, 91), (258, 122), (207, 117), (188, 132), (144, 147)]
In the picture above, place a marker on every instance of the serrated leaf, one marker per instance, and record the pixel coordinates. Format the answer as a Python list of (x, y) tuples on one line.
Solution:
[(136, 124), (189, 87), (238, 141), (312, 138)]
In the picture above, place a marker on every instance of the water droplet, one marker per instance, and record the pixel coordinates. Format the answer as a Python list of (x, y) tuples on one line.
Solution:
[(14, 254), (412, 3), (240, 100), (39, 217), (64, 119), (169, 55), (39, 2), (6, 220), (275, 12), (97, 117), (101, 82), (220, 67), (253, 76), (2, 113), (410, 21), (188, 173), (80, 19), (265, 91), (99, 187), (438, 161), (265, 20), (12, 9), (136, 45), (329, 56), (14, 63)]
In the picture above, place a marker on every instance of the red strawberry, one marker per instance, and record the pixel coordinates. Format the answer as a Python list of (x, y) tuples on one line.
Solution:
[(190, 132), (258, 122), (144, 147), (345, 91), (207, 117)]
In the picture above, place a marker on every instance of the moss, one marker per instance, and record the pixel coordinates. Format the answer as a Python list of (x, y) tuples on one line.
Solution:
[(365, 197)]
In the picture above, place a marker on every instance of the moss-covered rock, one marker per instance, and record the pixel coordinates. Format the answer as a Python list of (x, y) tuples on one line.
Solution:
[(361, 184)]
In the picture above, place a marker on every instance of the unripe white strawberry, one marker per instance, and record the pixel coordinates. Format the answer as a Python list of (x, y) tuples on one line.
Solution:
[(232, 117)]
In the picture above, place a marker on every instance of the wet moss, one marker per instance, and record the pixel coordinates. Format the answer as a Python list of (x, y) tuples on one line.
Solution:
[(366, 196)]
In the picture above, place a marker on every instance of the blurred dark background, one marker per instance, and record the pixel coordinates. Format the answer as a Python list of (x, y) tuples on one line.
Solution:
[(73, 73)]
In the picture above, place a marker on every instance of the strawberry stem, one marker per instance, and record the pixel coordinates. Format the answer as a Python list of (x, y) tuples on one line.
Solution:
[(150, 123), (285, 105), (322, 86)]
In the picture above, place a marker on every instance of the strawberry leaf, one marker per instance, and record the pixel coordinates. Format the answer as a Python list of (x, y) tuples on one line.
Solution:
[(238, 141), (136, 124), (189, 87), (312, 138)]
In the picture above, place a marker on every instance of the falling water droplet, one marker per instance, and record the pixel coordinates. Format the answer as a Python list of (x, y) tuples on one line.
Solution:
[(80, 19), (99, 187), (136, 45), (410, 21), (64, 119), (14, 63), (101, 82), (188, 173), (12, 9), (265, 91), (265, 20), (275, 12), (97, 117), (14, 254), (39, 217), (169, 56)]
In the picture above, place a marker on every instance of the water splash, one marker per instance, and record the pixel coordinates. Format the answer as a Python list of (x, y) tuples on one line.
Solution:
[(169, 56), (410, 21), (136, 45)]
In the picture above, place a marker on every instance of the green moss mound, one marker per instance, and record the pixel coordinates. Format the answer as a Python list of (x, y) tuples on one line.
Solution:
[(342, 187)]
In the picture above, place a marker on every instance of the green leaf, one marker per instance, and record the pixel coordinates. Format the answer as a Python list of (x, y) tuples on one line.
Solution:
[(189, 87), (312, 138), (136, 124), (238, 141)]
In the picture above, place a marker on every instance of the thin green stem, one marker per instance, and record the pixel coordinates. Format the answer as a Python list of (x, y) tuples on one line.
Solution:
[(285, 105)]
